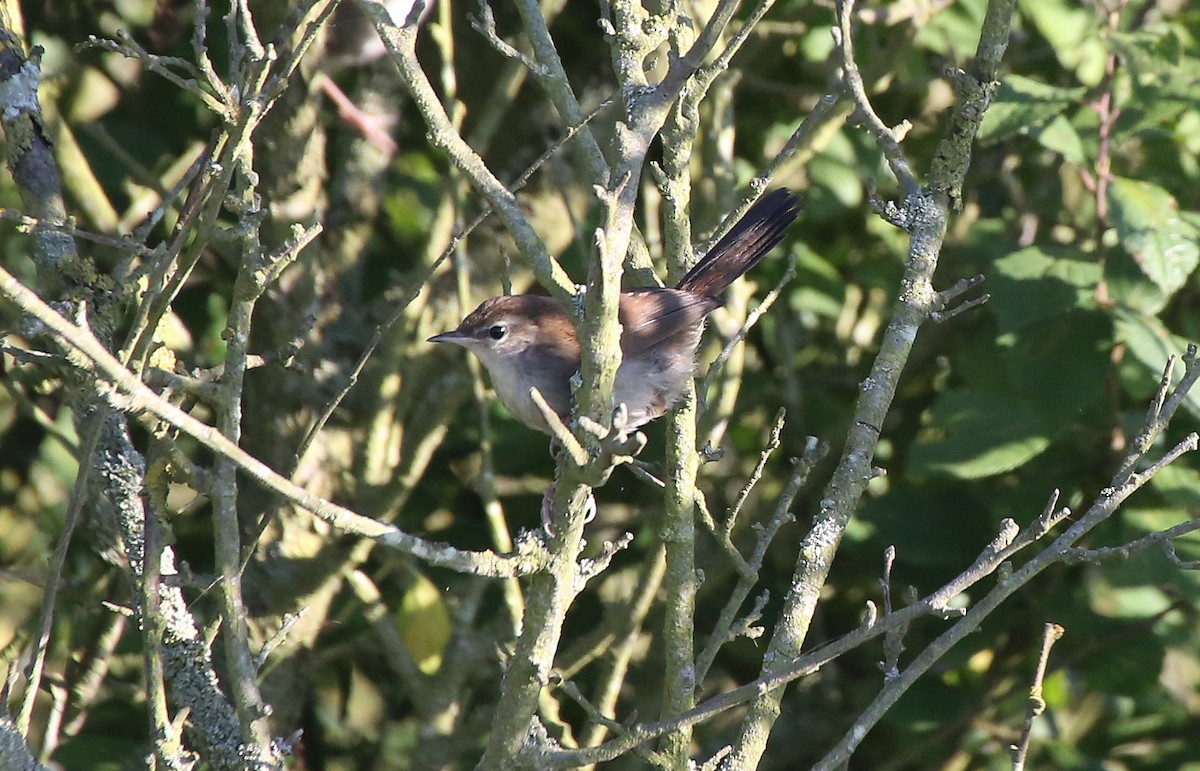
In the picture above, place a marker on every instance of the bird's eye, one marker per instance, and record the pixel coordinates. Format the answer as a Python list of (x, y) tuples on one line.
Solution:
[(497, 331)]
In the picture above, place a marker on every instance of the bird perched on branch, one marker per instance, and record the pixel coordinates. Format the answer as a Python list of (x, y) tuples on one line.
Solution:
[(528, 341)]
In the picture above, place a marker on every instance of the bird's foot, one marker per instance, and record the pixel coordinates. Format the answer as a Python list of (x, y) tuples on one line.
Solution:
[(589, 512)]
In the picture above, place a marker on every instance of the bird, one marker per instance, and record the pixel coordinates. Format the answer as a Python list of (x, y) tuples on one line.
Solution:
[(528, 341)]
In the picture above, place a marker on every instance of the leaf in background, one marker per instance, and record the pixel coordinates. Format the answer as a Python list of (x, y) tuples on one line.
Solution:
[(975, 435), (834, 186), (212, 339), (1121, 665), (1023, 105), (424, 624), (1150, 54), (819, 288), (1178, 485), (947, 29), (1129, 286), (1059, 365), (1145, 583), (1164, 79), (1163, 243), (1061, 137), (1073, 34), (1056, 689), (1151, 566), (1153, 109), (1128, 602), (1034, 283), (1151, 345)]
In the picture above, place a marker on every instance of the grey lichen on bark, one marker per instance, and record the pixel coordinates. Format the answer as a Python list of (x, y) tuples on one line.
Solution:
[(927, 213), (118, 478), (14, 752)]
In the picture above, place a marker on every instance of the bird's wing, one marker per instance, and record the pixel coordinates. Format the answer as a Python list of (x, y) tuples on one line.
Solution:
[(649, 316)]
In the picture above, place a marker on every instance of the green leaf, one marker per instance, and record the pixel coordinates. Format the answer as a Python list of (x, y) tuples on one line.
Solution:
[(1129, 664), (1151, 345), (817, 44), (819, 288), (212, 340), (833, 170), (1129, 286), (1056, 689), (1023, 105), (1129, 601), (1059, 365), (1160, 80), (1178, 485), (1070, 28), (1036, 283), (1140, 521), (973, 435), (1093, 62), (1061, 137), (1149, 55), (1164, 244), (950, 32), (424, 624)]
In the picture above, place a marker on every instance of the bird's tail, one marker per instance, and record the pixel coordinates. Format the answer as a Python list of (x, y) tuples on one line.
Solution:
[(747, 242)]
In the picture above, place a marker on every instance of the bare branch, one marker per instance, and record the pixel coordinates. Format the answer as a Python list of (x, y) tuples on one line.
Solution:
[(887, 138), (1051, 634), (127, 393)]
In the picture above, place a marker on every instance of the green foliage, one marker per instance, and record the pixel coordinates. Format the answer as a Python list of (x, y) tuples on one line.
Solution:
[(424, 624), (1082, 210), (1151, 230), (1026, 106)]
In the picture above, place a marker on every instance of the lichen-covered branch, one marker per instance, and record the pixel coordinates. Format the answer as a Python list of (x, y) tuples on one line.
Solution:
[(14, 752), (927, 213), (129, 394)]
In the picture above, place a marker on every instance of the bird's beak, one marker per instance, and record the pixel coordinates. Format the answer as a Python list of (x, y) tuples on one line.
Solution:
[(453, 336)]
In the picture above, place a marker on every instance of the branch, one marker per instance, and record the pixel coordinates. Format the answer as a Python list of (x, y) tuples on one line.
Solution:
[(221, 103), (87, 448), (1051, 634), (888, 139), (626, 636), (751, 319), (14, 752), (118, 482), (814, 451), (1101, 509), (128, 394), (932, 605), (401, 44), (485, 24), (916, 300)]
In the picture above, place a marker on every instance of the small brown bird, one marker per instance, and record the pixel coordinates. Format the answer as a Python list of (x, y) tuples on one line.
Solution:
[(527, 341)]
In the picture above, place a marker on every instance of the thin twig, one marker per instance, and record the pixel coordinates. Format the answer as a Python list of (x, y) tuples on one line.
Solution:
[(887, 138), (773, 442), (1051, 634), (126, 392), (485, 24), (380, 332), (751, 319), (801, 468), (27, 224), (165, 66), (54, 576), (559, 430)]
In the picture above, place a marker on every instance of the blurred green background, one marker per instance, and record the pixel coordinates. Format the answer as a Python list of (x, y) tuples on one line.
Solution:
[(1082, 209)]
